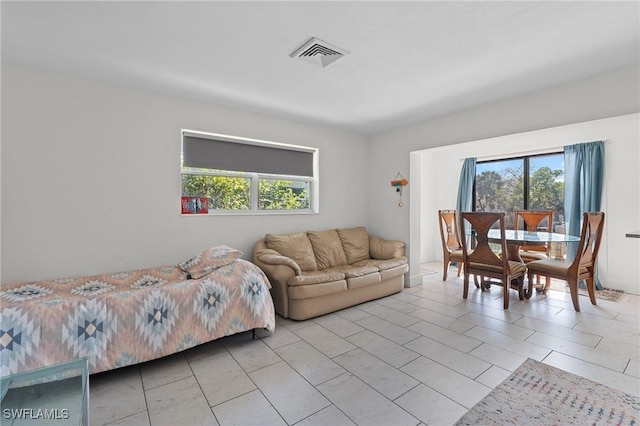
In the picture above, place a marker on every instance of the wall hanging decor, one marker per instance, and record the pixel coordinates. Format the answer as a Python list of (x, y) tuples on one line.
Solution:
[(194, 205), (398, 183)]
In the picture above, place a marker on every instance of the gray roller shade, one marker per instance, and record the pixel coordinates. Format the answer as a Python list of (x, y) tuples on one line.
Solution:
[(241, 157)]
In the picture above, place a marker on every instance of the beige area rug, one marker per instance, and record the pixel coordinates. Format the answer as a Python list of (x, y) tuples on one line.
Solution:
[(539, 394)]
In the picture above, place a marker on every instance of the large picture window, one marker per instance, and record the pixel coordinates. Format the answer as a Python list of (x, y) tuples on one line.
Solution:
[(521, 183), (238, 175)]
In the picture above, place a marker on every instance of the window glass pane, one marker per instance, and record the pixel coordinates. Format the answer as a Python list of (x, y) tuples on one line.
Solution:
[(223, 192), (282, 194), (500, 187), (546, 186)]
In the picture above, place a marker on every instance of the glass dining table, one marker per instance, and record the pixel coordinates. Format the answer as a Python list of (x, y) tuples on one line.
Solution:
[(517, 238)]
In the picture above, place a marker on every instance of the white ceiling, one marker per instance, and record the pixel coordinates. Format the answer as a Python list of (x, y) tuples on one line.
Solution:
[(408, 60)]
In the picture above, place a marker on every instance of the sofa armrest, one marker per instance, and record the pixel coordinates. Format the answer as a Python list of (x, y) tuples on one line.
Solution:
[(273, 258), (385, 249), (279, 269)]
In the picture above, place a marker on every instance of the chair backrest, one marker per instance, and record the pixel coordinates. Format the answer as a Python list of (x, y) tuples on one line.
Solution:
[(480, 223), (449, 230), (533, 220), (590, 238)]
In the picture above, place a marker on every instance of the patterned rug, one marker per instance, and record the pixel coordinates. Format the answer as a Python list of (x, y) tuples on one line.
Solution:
[(605, 293), (538, 394)]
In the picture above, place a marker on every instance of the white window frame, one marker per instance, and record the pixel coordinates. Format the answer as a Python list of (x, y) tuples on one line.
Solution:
[(314, 199)]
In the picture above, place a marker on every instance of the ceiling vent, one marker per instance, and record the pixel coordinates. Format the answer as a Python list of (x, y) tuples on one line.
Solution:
[(319, 52)]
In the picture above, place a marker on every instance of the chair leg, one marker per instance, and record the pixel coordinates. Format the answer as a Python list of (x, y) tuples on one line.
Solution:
[(547, 284), (506, 286), (521, 293), (446, 268), (459, 268), (591, 288), (465, 287), (573, 288), (529, 291)]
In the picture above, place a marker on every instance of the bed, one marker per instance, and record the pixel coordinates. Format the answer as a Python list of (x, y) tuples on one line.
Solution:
[(126, 318)]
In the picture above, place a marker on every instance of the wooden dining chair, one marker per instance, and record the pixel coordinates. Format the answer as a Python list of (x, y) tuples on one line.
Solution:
[(482, 260), (535, 220), (451, 248), (583, 266)]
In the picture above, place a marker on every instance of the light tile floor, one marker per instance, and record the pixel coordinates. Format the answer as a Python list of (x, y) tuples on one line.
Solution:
[(423, 356)]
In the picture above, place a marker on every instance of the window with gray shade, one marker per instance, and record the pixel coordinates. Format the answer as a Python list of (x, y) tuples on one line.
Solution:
[(236, 175), (224, 155)]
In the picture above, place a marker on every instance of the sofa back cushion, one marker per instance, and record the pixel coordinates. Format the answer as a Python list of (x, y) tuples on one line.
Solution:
[(296, 246), (355, 242), (327, 248)]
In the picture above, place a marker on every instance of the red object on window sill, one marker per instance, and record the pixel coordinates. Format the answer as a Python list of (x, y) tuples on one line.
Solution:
[(194, 205)]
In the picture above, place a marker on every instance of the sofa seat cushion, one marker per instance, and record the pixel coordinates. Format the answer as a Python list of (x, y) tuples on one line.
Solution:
[(352, 271), (355, 242), (358, 276), (314, 278), (364, 280), (327, 248), (296, 246), (383, 264), (385, 274), (316, 290)]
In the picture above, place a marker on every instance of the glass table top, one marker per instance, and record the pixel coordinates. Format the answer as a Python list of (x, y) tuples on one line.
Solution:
[(518, 235), (54, 395)]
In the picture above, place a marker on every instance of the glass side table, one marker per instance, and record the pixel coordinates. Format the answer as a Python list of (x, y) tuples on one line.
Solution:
[(54, 395)]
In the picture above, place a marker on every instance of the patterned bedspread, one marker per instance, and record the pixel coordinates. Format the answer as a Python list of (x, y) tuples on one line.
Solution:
[(122, 319)]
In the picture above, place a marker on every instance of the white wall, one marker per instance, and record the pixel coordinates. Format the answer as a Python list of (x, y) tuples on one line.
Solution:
[(90, 177), (612, 94), (90, 171), (618, 257)]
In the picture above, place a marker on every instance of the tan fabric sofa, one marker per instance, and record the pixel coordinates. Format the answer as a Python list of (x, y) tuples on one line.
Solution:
[(316, 272)]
